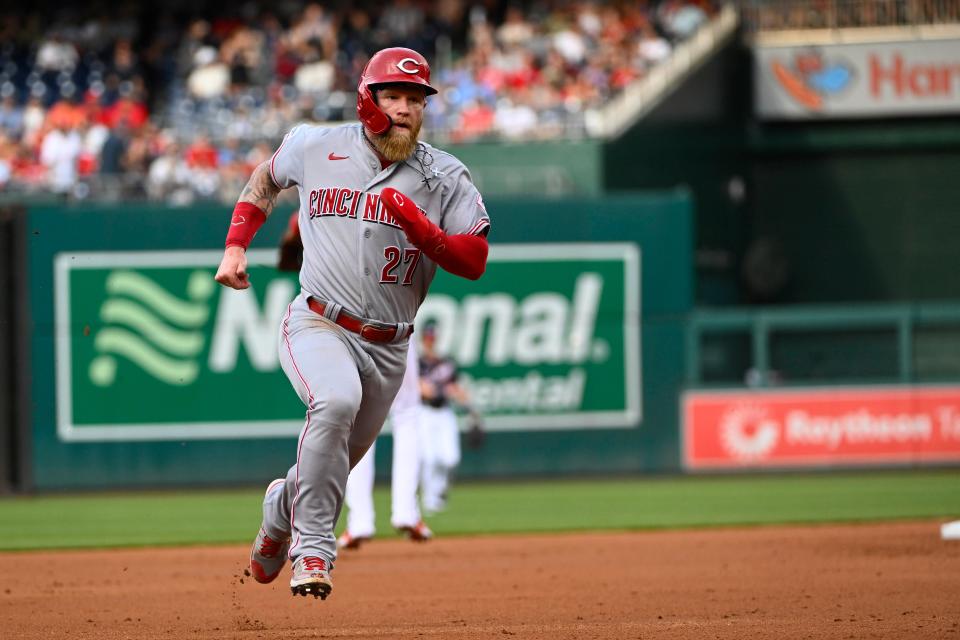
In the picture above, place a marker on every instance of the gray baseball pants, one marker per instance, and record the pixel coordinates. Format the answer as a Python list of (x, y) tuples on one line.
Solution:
[(347, 385)]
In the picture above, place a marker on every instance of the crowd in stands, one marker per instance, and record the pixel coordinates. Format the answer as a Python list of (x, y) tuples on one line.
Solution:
[(132, 100)]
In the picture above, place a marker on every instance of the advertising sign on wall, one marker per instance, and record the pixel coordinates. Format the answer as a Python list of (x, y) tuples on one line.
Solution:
[(912, 77), (820, 427), (148, 347)]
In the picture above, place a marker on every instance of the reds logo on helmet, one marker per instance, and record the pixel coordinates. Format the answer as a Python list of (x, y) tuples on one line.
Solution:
[(388, 66), (404, 65)]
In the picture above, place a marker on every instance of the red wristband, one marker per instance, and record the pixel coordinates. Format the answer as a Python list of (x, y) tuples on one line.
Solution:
[(247, 220)]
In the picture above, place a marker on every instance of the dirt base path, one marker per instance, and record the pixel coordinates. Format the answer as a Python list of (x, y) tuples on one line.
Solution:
[(865, 581)]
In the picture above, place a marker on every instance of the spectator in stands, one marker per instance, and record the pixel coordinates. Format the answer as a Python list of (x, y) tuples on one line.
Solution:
[(34, 115), (114, 150), (270, 31), (314, 75), (652, 48), (139, 154), (515, 119), (93, 135), (210, 77), (201, 159), (27, 168), (129, 108), (571, 44), (314, 28), (201, 154), (620, 70), (94, 130), (286, 61), (124, 63), (11, 115), (66, 112), (476, 121), (258, 154), (58, 153), (680, 18), (589, 21), (242, 51), (56, 54), (197, 36), (233, 170), (169, 177), (8, 151), (515, 30)]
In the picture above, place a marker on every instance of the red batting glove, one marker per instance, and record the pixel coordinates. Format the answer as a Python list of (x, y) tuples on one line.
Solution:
[(463, 255), (418, 227)]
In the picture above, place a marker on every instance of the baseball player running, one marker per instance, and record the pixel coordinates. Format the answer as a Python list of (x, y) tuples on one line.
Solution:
[(379, 211), (405, 418)]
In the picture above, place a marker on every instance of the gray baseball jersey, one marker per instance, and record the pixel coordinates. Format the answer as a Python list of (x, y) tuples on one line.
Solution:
[(354, 253)]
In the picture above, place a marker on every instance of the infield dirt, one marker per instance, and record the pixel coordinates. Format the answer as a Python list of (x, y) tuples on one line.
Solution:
[(895, 580)]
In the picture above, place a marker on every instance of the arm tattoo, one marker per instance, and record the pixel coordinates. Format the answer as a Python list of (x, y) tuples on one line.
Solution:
[(261, 189)]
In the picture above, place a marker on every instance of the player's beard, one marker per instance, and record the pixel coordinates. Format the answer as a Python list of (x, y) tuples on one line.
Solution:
[(398, 144)]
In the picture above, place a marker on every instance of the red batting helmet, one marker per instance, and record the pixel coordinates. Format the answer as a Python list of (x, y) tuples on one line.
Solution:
[(389, 66)]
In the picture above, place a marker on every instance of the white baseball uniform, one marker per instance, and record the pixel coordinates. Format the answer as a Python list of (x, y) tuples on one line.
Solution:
[(439, 434), (405, 470), (357, 261)]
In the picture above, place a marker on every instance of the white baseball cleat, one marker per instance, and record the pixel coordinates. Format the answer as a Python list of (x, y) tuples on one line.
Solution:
[(419, 532), (311, 576), (349, 541)]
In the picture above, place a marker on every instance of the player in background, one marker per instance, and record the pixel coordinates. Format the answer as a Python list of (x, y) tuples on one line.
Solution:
[(404, 418), (379, 212), (404, 472), (439, 433)]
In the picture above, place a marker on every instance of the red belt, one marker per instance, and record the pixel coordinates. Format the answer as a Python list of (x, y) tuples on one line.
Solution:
[(371, 330)]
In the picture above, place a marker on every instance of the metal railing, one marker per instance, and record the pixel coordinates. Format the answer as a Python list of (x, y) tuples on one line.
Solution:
[(902, 321), (780, 15)]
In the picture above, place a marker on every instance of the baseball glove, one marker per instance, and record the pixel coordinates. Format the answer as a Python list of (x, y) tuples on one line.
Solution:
[(291, 253)]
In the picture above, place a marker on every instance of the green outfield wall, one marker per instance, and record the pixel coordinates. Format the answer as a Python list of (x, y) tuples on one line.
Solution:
[(862, 212), (145, 373), (550, 168)]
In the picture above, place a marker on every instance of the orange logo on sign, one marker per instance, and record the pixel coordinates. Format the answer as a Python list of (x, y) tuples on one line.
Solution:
[(811, 78)]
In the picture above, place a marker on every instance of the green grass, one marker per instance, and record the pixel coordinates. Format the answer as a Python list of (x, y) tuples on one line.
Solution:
[(208, 517)]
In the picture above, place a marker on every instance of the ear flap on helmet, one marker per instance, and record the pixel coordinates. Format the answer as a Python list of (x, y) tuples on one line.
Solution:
[(372, 117)]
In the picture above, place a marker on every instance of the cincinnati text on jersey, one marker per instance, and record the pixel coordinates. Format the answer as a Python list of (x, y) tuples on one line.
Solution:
[(348, 203)]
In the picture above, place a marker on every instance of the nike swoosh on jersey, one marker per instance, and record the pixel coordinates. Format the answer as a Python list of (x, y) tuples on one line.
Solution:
[(240, 219), (334, 156)]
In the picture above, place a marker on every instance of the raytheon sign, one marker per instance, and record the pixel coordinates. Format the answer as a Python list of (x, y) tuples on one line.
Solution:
[(917, 77), (821, 427)]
